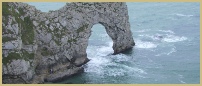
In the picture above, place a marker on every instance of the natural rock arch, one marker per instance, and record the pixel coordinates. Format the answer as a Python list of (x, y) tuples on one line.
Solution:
[(57, 40)]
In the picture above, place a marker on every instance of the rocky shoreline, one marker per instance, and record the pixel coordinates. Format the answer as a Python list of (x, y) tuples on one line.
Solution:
[(39, 46)]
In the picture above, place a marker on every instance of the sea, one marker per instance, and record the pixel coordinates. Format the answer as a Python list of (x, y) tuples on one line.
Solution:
[(167, 50)]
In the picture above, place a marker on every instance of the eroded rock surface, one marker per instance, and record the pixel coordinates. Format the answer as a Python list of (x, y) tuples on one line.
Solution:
[(39, 46)]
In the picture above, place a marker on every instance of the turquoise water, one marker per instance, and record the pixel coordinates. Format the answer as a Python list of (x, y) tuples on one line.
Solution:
[(166, 51)]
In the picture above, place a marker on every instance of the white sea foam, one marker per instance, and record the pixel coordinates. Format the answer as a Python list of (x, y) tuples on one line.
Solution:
[(169, 36), (143, 30), (97, 60), (167, 31), (122, 70), (173, 38), (141, 44), (182, 81), (120, 57), (183, 15), (103, 65), (157, 36), (168, 53), (116, 72), (153, 37), (172, 51), (96, 65), (180, 77), (135, 69), (105, 50)]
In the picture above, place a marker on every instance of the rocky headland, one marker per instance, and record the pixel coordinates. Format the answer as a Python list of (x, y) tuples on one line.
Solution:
[(40, 47)]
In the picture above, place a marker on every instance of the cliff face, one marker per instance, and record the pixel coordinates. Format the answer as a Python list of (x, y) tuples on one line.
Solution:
[(40, 46)]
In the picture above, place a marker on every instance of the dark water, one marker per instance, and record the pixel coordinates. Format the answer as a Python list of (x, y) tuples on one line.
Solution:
[(166, 51)]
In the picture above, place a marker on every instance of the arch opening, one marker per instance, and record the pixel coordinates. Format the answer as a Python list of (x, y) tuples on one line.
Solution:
[(98, 50), (99, 42)]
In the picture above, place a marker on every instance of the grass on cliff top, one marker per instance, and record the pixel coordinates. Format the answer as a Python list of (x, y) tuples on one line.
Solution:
[(11, 56), (5, 10), (6, 39), (27, 31), (26, 26), (14, 55)]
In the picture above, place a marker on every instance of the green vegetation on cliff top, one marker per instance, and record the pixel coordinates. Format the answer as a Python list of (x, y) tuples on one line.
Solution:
[(6, 39), (26, 26), (5, 9), (14, 55), (27, 31)]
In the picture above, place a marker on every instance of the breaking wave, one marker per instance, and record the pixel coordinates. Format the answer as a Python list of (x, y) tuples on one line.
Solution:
[(173, 38), (142, 44), (101, 61)]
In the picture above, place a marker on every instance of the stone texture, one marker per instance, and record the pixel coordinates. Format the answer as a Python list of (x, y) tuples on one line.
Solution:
[(52, 46)]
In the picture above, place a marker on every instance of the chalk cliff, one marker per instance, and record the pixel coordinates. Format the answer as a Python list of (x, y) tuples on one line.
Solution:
[(39, 46)]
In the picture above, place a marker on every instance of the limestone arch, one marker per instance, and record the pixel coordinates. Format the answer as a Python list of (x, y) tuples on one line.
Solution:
[(66, 32), (115, 19)]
